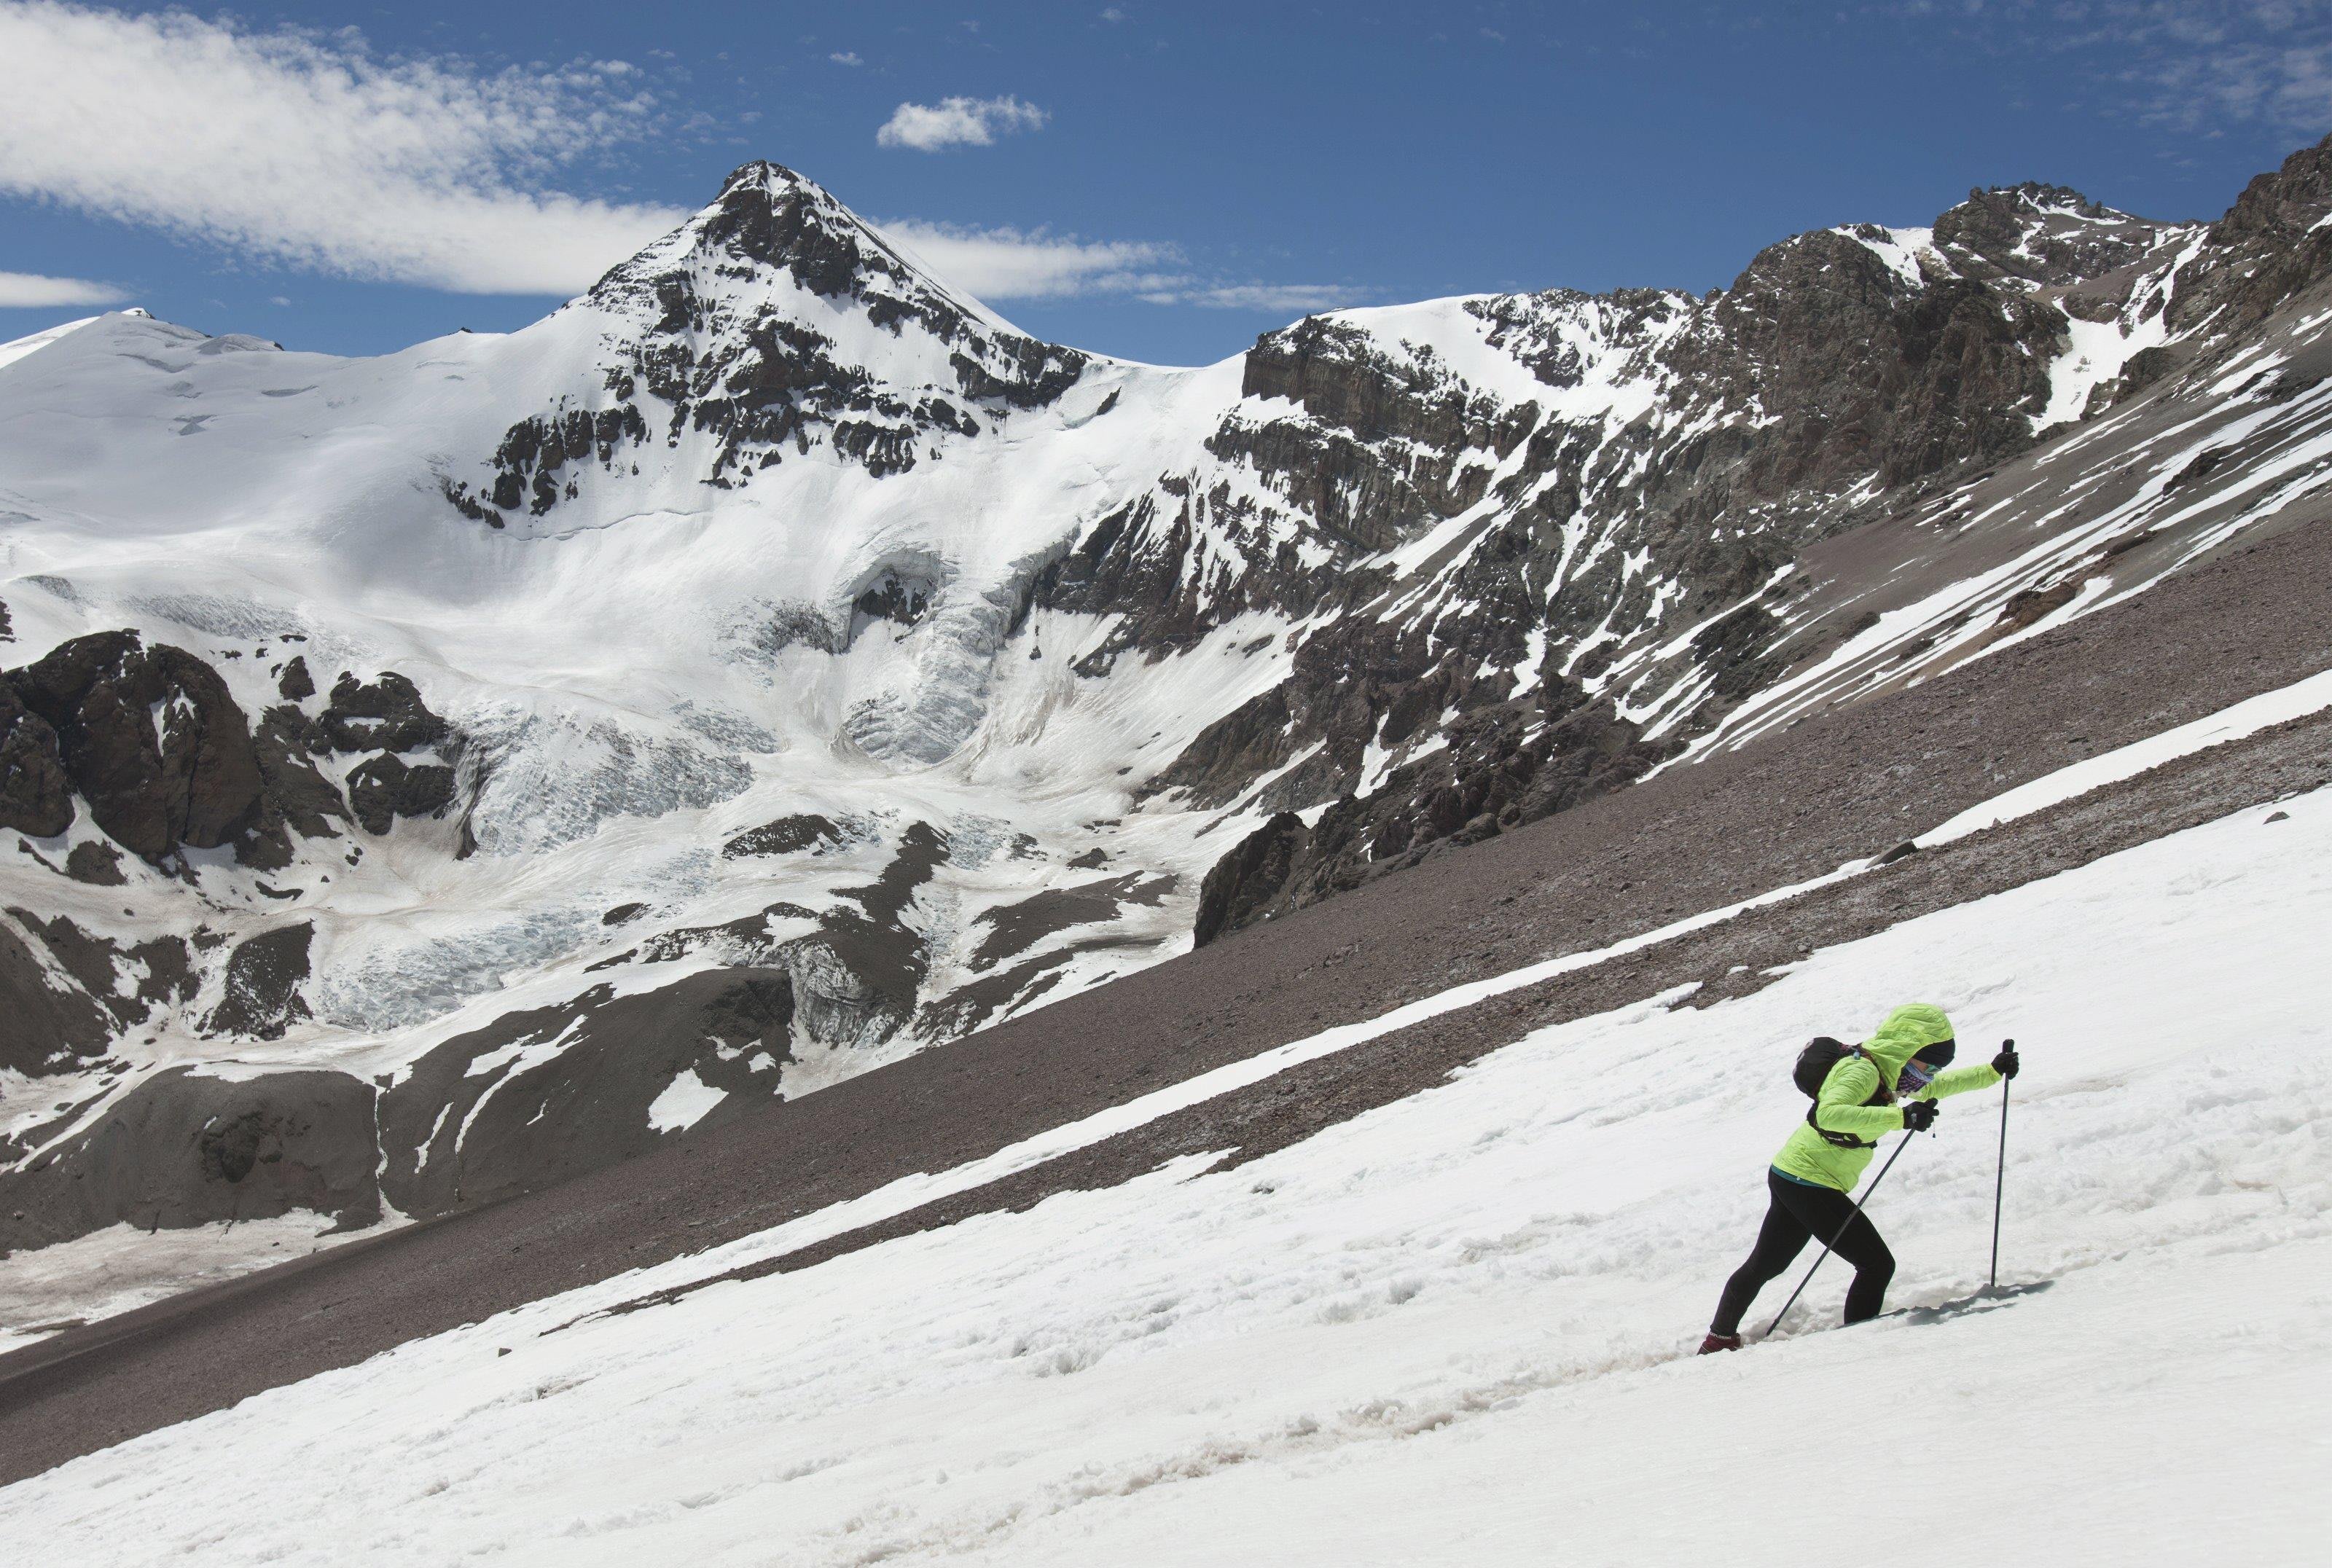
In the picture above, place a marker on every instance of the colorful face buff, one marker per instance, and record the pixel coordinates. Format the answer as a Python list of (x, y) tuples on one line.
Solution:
[(1916, 1076)]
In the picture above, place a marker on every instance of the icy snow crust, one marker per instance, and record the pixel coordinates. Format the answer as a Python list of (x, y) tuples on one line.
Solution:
[(1456, 1325)]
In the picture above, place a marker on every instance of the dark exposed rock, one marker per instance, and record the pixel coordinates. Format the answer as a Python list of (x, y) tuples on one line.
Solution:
[(181, 1149), (35, 797), (2269, 246), (304, 797), (894, 598), (2044, 234), (1255, 737), (1861, 372), (745, 941), (1730, 648), (49, 1029), (2143, 369), (479, 1117), (858, 978), (1014, 928), (1240, 887), (1017, 988), (384, 714), (101, 966), (1495, 775), (295, 684), (151, 739), (263, 985), (2035, 604), (785, 835), (383, 788), (99, 864), (623, 914)]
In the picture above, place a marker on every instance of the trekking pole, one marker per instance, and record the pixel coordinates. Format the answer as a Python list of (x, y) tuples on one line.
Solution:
[(1999, 1175), (1834, 1240)]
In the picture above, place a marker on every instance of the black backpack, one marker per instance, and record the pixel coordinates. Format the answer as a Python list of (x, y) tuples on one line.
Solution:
[(1815, 1063)]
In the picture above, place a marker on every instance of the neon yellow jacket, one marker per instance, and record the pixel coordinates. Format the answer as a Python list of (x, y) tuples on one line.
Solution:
[(1908, 1031)]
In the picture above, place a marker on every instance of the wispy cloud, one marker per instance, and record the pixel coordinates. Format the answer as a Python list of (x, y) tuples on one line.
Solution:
[(2268, 68), (28, 290), (310, 150), (1010, 264), (2192, 65), (846, 57), (958, 122), (1289, 298)]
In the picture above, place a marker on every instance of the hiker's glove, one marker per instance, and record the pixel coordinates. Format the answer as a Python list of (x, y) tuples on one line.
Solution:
[(2005, 1064), (1918, 1115)]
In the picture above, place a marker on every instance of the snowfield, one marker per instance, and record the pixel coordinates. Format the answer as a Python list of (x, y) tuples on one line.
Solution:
[(1456, 1329)]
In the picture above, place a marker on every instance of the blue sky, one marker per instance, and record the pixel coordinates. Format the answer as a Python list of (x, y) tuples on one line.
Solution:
[(1157, 181)]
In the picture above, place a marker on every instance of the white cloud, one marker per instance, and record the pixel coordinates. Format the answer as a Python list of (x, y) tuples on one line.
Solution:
[(32, 290), (2190, 65), (1111, 14), (1289, 298), (846, 57), (1008, 263), (958, 122), (310, 151)]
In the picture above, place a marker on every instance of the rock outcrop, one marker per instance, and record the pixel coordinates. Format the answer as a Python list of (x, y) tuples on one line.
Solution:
[(150, 739), (184, 1148)]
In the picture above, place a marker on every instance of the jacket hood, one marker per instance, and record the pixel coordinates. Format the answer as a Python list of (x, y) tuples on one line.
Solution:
[(1908, 1030)]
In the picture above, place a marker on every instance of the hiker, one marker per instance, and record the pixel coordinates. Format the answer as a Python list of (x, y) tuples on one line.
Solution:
[(1890, 1081)]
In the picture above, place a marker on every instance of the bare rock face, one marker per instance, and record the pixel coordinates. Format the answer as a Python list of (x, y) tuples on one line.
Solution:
[(182, 1150), (295, 683), (2269, 246), (49, 1029), (1840, 366), (383, 714), (263, 985), (306, 799), (35, 796), (785, 835), (383, 788), (98, 865), (503, 1109), (151, 739), (2043, 233), (1240, 888), (1495, 775)]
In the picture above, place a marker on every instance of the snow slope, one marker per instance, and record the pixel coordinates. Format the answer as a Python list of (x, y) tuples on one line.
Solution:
[(1454, 1327)]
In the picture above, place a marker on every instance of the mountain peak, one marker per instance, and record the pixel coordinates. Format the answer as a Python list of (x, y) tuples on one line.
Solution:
[(2048, 235), (760, 173)]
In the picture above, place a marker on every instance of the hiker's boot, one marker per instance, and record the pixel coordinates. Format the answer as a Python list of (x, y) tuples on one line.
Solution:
[(1718, 1342)]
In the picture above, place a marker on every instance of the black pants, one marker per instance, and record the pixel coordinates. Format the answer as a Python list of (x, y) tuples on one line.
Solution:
[(1799, 1213)]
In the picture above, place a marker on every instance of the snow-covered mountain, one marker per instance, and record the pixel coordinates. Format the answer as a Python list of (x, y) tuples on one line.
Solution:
[(433, 775)]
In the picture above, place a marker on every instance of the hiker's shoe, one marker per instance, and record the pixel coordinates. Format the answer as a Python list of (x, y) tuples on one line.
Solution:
[(1718, 1342)]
